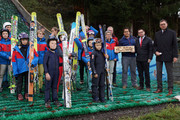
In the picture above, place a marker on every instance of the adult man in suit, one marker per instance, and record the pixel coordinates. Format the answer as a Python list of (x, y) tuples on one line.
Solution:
[(144, 50), (165, 46)]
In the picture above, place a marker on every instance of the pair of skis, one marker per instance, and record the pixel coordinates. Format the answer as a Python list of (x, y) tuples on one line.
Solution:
[(33, 72), (14, 26), (108, 83), (85, 46), (66, 65)]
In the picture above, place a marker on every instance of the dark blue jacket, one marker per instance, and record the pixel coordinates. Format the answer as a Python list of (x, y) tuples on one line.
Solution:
[(51, 63), (128, 42)]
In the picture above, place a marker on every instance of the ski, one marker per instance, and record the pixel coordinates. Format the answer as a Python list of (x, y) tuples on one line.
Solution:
[(71, 42), (66, 66), (36, 79), (31, 56), (14, 40), (108, 83), (85, 46), (75, 62)]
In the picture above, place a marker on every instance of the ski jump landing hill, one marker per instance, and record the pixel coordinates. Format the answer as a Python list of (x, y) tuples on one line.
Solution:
[(14, 7)]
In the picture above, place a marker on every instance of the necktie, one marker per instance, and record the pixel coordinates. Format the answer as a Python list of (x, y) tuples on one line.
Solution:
[(141, 42)]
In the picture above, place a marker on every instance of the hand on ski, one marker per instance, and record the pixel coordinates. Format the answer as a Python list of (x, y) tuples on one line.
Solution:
[(115, 59), (48, 77), (96, 75), (10, 58), (149, 60), (88, 64), (107, 56)]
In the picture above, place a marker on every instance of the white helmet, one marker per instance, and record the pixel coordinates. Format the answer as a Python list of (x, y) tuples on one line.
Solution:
[(6, 24)]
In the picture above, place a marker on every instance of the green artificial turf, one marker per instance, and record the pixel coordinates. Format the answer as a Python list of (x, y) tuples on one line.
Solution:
[(11, 108)]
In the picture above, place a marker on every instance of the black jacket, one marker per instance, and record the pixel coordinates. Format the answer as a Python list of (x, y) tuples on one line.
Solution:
[(144, 52), (97, 62), (166, 43)]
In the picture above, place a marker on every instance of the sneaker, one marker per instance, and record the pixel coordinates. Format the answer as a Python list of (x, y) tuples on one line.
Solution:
[(20, 97), (1, 89), (140, 88), (48, 104), (58, 104)]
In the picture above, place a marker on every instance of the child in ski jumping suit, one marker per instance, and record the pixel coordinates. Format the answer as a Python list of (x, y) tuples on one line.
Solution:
[(5, 54), (87, 60), (42, 48), (51, 70), (20, 64), (112, 56), (97, 63)]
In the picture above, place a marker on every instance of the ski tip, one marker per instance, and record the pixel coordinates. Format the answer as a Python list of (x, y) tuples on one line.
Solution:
[(78, 13), (58, 14)]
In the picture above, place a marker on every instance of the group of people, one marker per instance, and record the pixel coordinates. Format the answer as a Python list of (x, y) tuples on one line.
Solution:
[(49, 59)]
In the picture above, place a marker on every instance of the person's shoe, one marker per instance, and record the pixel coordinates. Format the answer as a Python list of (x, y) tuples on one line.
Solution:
[(1, 89), (115, 85), (41, 91), (96, 101), (57, 103), (169, 93), (48, 104), (81, 83), (26, 96), (20, 97), (140, 88), (148, 89), (90, 91), (157, 91), (103, 101), (124, 87), (135, 86)]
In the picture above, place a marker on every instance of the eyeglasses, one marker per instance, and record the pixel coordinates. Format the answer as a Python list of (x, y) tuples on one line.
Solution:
[(162, 24)]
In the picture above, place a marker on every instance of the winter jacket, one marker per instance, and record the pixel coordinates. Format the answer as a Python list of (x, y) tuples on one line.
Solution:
[(84, 58), (80, 47), (166, 43), (127, 42), (5, 51), (42, 48), (110, 50), (20, 63)]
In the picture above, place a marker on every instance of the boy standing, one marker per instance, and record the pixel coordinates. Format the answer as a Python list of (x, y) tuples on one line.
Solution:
[(97, 63), (51, 69)]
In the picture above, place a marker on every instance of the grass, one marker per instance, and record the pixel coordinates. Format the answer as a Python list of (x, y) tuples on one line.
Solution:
[(172, 112)]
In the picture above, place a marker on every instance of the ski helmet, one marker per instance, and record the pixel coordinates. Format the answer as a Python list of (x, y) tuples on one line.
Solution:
[(23, 35), (6, 24), (89, 39), (2, 30), (51, 39)]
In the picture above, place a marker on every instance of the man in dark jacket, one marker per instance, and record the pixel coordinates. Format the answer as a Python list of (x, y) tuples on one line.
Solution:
[(144, 50), (165, 45)]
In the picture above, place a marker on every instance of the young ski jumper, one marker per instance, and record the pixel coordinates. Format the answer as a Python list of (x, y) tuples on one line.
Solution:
[(97, 62), (5, 54), (87, 60), (51, 70), (20, 62), (112, 56), (42, 48)]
